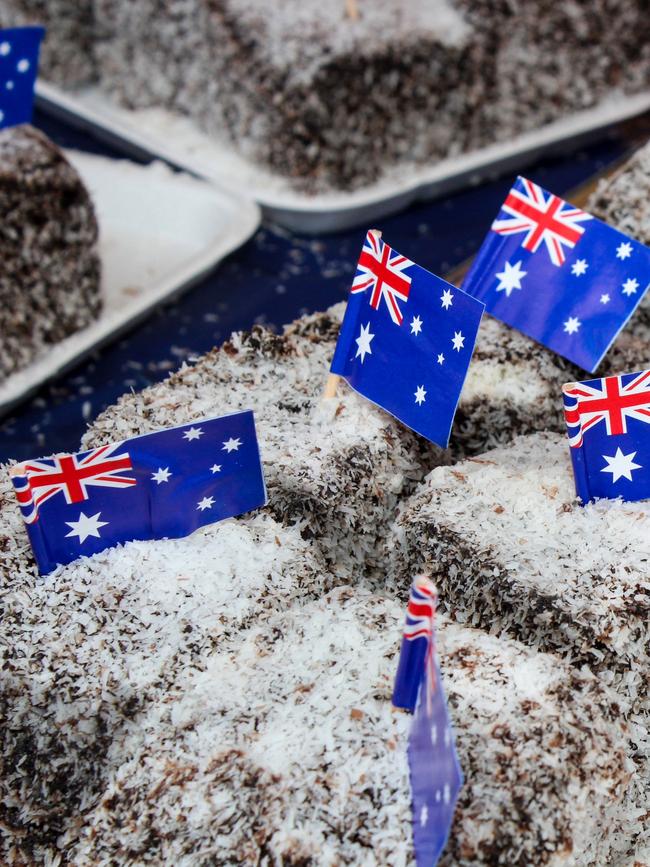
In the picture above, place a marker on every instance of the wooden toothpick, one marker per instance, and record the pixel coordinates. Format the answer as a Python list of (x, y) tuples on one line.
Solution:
[(330, 386), (352, 10)]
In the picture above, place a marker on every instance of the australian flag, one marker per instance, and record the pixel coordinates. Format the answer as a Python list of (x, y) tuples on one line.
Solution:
[(563, 277), (19, 49), (608, 422), (407, 339), (161, 485), (434, 769)]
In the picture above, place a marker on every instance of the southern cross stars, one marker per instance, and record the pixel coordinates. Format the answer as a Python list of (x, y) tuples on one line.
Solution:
[(447, 299), (161, 475), (215, 468), (579, 267), (194, 433), (605, 299), (510, 278), (205, 503), (420, 395), (458, 340), (620, 465), (85, 526), (363, 342), (231, 445), (416, 325), (624, 250), (630, 286), (572, 325), (441, 358)]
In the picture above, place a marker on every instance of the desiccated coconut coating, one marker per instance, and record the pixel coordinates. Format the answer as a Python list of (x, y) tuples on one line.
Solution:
[(67, 52), (514, 385), (88, 649), (511, 550), (334, 468), (283, 748), (329, 101), (49, 279)]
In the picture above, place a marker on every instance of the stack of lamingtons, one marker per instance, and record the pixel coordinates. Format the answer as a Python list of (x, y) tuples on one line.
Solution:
[(225, 698)]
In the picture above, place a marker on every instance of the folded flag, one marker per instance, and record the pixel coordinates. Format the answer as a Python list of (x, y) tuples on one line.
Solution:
[(608, 421), (407, 339), (563, 277), (434, 769), (163, 484), (19, 49)]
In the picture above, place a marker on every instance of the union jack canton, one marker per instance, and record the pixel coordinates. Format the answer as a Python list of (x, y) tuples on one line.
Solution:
[(434, 769), (406, 339), (608, 424), (163, 484), (558, 274)]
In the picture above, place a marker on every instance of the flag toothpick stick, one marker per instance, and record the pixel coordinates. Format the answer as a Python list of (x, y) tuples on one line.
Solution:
[(352, 10), (330, 386)]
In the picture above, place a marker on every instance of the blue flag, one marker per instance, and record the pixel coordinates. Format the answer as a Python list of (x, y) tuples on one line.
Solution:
[(558, 274), (608, 421), (19, 49), (434, 769), (407, 339), (161, 485)]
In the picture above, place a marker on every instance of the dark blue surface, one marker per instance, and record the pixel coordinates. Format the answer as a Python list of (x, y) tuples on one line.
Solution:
[(272, 279)]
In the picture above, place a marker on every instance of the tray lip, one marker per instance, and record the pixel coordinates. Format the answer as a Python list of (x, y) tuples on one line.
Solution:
[(333, 210), (244, 222)]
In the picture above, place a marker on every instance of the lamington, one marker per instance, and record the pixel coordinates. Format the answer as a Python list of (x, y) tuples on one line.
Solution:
[(283, 748), (86, 650), (67, 53), (331, 94), (336, 468), (514, 552), (50, 275)]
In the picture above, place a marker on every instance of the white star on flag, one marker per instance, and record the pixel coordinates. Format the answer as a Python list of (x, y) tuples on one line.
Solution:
[(579, 267), (630, 286), (620, 465), (441, 358), (416, 325), (420, 395), (194, 433), (205, 503), (458, 340), (85, 526), (572, 325), (604, 299), (22, 65), (231, 445), (363, 342), (510, 278), (424, 815), (5, 48), (624, 250), (215, 468), (161, 475), (447, 299)]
